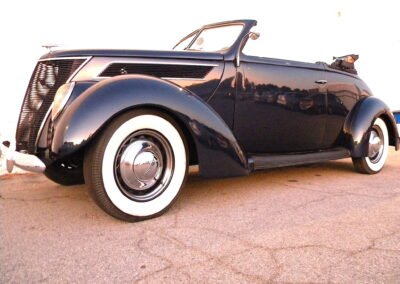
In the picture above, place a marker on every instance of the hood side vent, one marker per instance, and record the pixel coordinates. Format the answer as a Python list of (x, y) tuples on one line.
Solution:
[(157, 70)]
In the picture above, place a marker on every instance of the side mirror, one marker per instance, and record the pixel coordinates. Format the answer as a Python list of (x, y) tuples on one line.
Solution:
[(254, 35), (250, 35)]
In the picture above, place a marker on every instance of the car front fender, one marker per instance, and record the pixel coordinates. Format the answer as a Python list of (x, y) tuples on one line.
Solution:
[(218, 151), (358, 124)]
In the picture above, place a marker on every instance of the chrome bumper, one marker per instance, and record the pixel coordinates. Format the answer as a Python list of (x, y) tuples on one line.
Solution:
[(26, 162)]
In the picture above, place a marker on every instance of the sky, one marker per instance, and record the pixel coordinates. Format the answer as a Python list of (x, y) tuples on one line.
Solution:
[(308, 30)]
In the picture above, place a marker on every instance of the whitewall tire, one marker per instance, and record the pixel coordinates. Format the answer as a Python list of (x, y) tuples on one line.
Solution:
[(378, 149), (137, 167)]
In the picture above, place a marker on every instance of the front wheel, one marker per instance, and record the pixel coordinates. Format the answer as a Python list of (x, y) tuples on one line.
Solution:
[(378, 149), (137, 167)]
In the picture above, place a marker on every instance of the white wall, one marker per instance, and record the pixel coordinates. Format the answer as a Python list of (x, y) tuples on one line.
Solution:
[(302, 30)]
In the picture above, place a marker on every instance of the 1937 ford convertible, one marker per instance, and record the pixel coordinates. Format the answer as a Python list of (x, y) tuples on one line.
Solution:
[(129, 123)]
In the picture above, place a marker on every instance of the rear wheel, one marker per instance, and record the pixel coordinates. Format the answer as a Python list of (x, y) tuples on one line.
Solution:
[(378, 149), (136, 168)]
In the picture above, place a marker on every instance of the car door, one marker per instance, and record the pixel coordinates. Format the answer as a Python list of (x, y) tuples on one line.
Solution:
[(342, 95), (280, 106)]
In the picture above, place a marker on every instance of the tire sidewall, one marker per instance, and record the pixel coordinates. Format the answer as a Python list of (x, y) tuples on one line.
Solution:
[(376, 167), (174, 138)]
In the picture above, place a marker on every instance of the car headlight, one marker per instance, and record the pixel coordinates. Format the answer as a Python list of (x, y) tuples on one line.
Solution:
[(61, 98)]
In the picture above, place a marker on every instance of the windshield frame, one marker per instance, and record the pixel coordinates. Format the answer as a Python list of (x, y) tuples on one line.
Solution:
[(247, 25), (210, 28), (194, 33)]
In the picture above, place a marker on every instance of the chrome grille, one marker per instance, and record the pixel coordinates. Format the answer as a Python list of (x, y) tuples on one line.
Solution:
[(47, 77)]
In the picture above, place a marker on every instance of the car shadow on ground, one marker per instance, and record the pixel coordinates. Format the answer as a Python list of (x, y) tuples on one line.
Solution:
[(197, 191)]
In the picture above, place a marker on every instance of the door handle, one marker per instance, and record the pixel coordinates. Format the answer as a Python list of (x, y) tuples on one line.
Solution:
[(321, 82)]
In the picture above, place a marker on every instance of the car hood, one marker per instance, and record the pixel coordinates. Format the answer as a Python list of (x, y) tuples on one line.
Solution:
[(134, 53)]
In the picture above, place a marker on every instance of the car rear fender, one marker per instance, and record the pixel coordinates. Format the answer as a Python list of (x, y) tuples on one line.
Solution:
[(218, 151), (359, 121)]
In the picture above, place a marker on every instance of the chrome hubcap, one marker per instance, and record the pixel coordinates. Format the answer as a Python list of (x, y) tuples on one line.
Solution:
[(144, 165), (375, 148), (141, 165)]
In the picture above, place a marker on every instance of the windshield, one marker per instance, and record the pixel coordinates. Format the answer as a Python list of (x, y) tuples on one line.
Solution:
[(212, 39)]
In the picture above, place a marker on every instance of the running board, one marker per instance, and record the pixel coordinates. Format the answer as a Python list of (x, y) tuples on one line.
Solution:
[(269, 161)]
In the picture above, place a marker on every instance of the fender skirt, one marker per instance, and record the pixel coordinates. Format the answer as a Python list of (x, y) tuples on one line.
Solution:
[(219, 154)]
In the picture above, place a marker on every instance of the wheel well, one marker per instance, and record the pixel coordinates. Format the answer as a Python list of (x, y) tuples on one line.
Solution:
[(193, 158), (391, 130)]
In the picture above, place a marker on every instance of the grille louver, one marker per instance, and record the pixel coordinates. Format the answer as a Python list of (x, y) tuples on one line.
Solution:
[(157, 70), (47, 77)]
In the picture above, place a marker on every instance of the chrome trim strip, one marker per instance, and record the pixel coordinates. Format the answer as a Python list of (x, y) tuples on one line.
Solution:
[(166, 78), (42, 125), (63, 58), (159, 62), (78, 69)]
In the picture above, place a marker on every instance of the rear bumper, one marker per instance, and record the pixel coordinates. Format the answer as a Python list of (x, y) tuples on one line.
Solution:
[(26, 162)]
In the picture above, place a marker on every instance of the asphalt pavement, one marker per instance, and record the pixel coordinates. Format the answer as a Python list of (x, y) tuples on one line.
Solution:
[(320, 223)]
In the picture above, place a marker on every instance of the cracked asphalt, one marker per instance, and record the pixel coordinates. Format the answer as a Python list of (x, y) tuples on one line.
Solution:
[(321, 223)]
